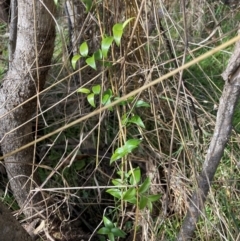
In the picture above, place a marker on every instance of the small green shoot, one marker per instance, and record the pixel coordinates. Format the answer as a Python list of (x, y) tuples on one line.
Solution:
[(96, 90), (136, 195), (124, 150), (105, 45), (91, 62), (134, 120), (88, 4), (75, 58), (118, 31), (110, 230)]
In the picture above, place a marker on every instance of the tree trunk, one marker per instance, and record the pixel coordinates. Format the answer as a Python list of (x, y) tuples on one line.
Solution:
[(25, 78), (8, 223)]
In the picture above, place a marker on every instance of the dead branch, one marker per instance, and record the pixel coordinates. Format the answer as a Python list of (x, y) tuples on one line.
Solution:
[(215, 151)]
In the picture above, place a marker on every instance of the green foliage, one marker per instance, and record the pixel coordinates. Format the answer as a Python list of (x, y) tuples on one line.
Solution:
[(118, 31), (124, 150), (105, 45), (129, 190), (96, 91), (88, 4), (100, 54), (111, 230)]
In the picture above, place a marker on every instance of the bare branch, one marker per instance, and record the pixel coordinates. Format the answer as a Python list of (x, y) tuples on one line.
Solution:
[(219, 140)]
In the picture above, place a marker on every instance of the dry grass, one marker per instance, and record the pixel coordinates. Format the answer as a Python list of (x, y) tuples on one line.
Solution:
[(179, 122)]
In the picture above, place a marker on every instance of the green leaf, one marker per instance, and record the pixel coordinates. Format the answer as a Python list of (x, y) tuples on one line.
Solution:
[(115, 193), (131, 144), (108, 223), (96, 89), (56, 2), (75, 58), (105, 45), (83, 49), (122, 103), (88, 4), (78, 166), (132, 200), (129, 194), (98, 54), (126, 22), (117, 33), (125, 149), (117, 182), (143, 202), (111, 237), (106, 97), (145, 186), (153, 198), (84, 90), (149, 205), (136, 176), (104, 231), (136, 120), (124, 119), (91, 100), (91, 62), (118, 154), (107, 64), (118, 232), (141, 103)]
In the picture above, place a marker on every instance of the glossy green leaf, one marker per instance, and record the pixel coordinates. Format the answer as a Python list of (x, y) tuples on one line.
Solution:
[(107, 223), (83, 49), (118, 232), (141, 103), (104, 231), (131, 144), (145, 186), (74, 60), (105, 45), (136, 120), (84, 90), (88, 4), (125, 149), (96, 89), (117, 33), (118, 154), (143, 202), (115, 193), (153, 198), (135, 177), (106, 97), (91, 99), (91, 62), (126, 22), (129, 194), (98, 54)]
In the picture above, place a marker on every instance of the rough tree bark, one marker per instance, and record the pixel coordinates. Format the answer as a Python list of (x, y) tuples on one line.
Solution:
[(222, 132), (25, 78)]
